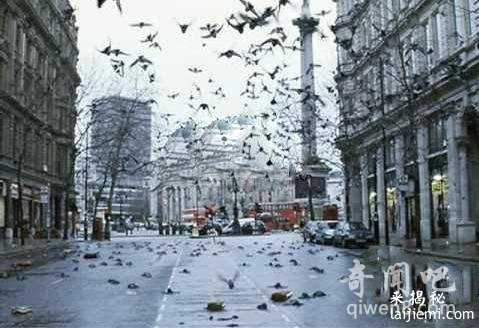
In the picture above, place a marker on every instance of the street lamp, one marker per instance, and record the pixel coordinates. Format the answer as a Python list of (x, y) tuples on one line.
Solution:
[(120, 196), (235, 191), (310, 197)]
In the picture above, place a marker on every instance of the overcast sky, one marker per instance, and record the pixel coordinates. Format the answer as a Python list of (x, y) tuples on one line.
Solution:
[(180, 51), (99, 27)]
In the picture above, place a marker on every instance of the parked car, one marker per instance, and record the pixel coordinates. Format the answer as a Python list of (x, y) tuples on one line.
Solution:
[(232, 229), (152, 225), (326, 230), (208, 226), (311, 230), (352, 233), (253, 227)]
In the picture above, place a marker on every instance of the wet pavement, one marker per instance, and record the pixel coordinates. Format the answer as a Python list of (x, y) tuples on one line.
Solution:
[(76, 292)]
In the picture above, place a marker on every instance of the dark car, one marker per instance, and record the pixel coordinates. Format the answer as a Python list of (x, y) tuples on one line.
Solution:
[(210, 225), (255, 227), (311, 230), (351, 233), (326, 231)]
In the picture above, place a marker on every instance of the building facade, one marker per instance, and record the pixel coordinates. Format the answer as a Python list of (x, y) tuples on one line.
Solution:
[(38, 81), (120, 139), (186, 182), (407, 80)]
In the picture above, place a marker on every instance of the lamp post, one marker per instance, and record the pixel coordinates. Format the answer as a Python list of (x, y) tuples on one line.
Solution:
[(85, 195), (235, 191), (310, 197)]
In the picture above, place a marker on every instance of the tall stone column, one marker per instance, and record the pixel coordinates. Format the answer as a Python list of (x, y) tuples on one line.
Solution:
[(307, 26), (381, 197), (463, 167), (169, 204), (402, 180), (364, 190), (186, 200), (173, 204), (355, 200), (424, 183), (160, 204), (453, 183), (180, 204), (9, 219)]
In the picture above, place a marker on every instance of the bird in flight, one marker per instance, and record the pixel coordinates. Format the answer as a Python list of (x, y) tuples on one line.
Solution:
[(106, 50), (239, 26), (141, 25), (150, 38), (118, 52), (213, 30), (141, 59), (183, 26), (195, 70), (229, 282), (229, 54), (173, 95), (100, 3)]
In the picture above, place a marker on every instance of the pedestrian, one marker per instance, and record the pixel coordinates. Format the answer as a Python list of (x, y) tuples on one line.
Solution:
[(305, 239), (213, 233)]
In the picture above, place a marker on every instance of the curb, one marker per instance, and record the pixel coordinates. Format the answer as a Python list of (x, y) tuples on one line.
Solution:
[(32, 253), (442, 255)]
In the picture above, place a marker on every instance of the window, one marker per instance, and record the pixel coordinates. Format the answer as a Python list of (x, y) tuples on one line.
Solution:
[(19, 39), (3, 20), (390, 155), (3, 75), (472, 15), (437, 135), (1, 133), (419, 48), (410, 147), (372, 161)]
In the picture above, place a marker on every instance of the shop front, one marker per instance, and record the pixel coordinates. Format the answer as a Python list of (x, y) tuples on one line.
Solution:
[(439, 197)]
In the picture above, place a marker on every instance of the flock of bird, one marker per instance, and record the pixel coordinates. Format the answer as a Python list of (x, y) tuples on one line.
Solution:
[(285, 97)]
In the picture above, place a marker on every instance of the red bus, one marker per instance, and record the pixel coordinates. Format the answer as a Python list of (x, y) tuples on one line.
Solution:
[(279, 216)]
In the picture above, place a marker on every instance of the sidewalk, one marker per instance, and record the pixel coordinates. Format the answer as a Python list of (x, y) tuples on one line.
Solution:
[(38, 251), (441, 248)]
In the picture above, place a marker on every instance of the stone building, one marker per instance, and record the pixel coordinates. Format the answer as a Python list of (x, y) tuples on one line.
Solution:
[(407, 80), (187, 182), (38, 81)]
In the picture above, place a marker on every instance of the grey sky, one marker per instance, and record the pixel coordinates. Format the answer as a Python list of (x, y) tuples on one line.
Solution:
[(180, 51)]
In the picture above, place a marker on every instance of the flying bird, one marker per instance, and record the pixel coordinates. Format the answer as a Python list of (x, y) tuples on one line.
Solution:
[(229, 282), (238, 26), (150, 38), (141, 59), (214, 30), (118, 52), (100, 4), (173, 95), (141, 25), (229, 54), (183, 26), (195, 70)]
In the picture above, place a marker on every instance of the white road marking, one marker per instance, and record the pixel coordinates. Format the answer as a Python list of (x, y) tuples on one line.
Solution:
[(272, 305), (285, 317), (56, 282), (165, 297)]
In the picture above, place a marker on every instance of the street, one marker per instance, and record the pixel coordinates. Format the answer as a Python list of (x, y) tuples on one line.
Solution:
[(70, 294)]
